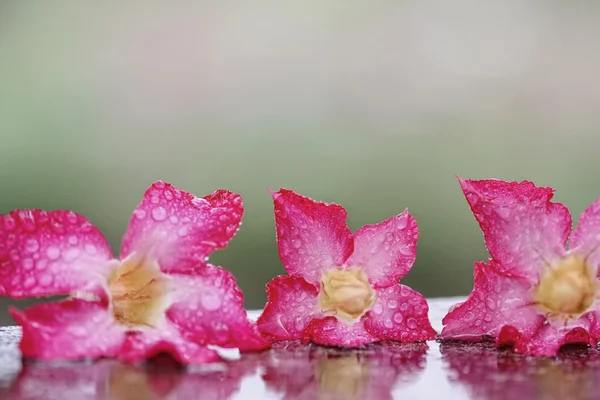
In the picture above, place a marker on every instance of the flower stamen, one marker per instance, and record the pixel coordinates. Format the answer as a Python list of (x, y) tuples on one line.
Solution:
[(346, 294)]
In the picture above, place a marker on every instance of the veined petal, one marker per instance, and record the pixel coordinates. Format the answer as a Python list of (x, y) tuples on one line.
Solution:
[(50, 253), (210, 308), (330, 331), (182, 230), (586, 237), (523, 229), (291, 305), (386, 251), (311, 236), (497, 300), (68, 330), (399, 314), (140, 346)]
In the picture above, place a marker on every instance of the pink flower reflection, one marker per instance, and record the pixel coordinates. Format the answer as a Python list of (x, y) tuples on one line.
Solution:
[(491, 375), (314, 372)]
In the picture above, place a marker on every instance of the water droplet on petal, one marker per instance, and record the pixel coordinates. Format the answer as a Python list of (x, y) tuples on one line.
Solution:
[(469, 316), (41, 264), (406, 250), (299, 324), (398, 318), (53, 252), (139, 214), (45, 280), (404, 306), (154, 199), (378, 309), (168, 195), (401, 221), (392, 304), (183, 231), (388, 323), (491, 304), (29, 282), (159, 214), (91, 249), (488, 318), (404, 291), (503, 212), (412, 323), (472, 198), (32, 245), (210, 301), (297, 243), (73, 239), (71, 254), (478, 322), (28, 264)]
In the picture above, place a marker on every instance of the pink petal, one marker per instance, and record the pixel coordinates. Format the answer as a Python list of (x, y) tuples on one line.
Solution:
[(140, 346), (330, 331), (549, 339), (291, 305), (386, 251), (586, 237), (311, 236), (68, 330), (400, 314), (49, 253), (521, 226), (180, 229), (210, 308), (497, 300)]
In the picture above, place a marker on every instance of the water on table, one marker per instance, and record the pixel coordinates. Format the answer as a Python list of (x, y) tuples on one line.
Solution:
[(292, 371)]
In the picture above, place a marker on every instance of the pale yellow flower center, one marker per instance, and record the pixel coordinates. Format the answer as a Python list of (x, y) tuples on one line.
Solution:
[(567, 288), (139, 292), (346, 294), (341, 377)]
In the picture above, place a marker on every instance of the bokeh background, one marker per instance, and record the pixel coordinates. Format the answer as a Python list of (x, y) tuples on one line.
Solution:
[(375, 105)]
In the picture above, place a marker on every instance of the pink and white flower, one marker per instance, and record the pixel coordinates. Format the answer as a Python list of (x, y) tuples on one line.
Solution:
[(159, 296), (342, 288), (533, 293)]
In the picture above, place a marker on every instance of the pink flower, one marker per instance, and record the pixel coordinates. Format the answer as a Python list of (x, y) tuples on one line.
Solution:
[(533, 293), (343, 288), (159, 296)]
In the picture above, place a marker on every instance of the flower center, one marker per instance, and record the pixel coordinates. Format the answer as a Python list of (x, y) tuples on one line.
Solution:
[(346, 294), (138, 292), (567, 288)]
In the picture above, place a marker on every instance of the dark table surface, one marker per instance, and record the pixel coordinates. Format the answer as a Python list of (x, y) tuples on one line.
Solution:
[(292, 371)]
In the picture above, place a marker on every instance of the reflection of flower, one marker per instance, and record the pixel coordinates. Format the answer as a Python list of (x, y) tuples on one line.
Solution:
[(533, 294), (312, 372), (111, 380), (343, 288), (160, 296), (492, 375)]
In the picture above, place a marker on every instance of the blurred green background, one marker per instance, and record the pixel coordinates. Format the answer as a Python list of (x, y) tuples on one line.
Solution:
[(373, 105)]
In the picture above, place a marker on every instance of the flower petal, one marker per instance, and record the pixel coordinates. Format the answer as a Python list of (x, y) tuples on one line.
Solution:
[(210, 308), (311, 236), (548, 341), (180, 229), (68, 330), (291, 305), (49, 253), (330, 331), (140, 346), (497, 300), (400, 314), (586, 237), (386, 251), (521, 226)]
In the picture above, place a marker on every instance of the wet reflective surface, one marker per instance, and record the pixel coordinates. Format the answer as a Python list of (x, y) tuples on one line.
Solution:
[(293, 371)]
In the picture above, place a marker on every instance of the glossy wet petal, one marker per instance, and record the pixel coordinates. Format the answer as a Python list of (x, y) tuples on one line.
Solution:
[(210, 308), (311, 236), (399, 314), (330, 331), (182, 230), (140, 346), (549, 339), (497, 300), (68, 330), (291, 305), (586, 237), (523, 229), (386, 251), (50, 253)]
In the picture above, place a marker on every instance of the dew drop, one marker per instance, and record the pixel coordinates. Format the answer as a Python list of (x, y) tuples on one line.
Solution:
[(386, 246), (45, 280), (168, 195), (491, 304), (32, 245), (469, 316), (71, 254), (406, 250), (412, 323), (41, 264), (183, 231), (478, 322), (398, 318), (53, 252), (72, 217), (404, 291), (401, 221), (73, 240), (472, 198), (503, 212), (173, 219), (299, 324), (211, 301), (9, 223), (388, 323), (378, 309), (139, 214), (488, 318), (28, 264), (91, 249), (300, 309), (392, 304), (29, 282), (154, 199), (297, 243), (159, 214), (404, 306)]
